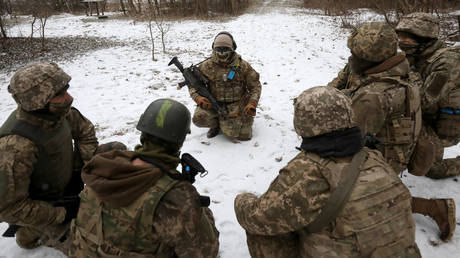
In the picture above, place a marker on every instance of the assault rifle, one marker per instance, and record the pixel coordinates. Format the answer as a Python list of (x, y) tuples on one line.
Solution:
[(196, 80), (61, 202)]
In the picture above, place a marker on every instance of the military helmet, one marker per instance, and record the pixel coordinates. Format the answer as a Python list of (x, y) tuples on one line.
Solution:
[(320, 110), (166, 119), (375, 42), (424, 25), (34, 85)]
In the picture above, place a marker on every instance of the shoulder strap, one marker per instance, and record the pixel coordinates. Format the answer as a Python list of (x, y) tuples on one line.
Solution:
[(162, 186), (338, 198)]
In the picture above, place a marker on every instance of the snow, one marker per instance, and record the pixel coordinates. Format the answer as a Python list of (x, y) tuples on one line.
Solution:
[(292, 49)]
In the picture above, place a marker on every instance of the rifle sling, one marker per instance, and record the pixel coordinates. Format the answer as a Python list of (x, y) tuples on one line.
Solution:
[(340, 195)]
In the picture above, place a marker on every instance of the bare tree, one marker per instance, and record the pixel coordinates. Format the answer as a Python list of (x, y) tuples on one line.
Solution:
[(163, 27), (122, 6), (152, 11), (4, 10)]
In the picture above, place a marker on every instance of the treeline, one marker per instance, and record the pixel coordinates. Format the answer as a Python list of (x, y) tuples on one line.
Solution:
[(339, 7), (201, 8)]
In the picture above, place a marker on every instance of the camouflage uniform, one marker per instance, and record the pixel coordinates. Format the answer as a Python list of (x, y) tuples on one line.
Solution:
[(439, 68), (166, 220), (233, 94), (376, 219), (386, 100), (19, 156), (136, 204), (386, 104)]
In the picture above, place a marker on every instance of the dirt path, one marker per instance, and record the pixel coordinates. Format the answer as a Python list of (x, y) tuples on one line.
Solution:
[(271, 5)]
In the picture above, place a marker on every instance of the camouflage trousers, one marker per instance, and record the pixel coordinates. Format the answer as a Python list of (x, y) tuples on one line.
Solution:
[(52, 236), (441, 167), (235, 126), (278, 246)]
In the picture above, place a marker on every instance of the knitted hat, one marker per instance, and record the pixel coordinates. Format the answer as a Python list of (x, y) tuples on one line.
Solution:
[(223, 40)]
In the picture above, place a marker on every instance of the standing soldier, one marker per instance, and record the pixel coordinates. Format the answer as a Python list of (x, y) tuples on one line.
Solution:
[(439, 68), (135, 204), (235, 86), (37, 165), (387, 107), (313, 209)]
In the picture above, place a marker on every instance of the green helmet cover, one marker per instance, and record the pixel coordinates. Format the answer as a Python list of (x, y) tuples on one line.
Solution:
[(166, 119)]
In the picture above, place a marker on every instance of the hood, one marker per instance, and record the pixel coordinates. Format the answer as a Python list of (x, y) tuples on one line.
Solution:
[(115, 180)]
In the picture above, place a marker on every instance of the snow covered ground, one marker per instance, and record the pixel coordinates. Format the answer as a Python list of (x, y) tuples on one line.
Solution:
[(292, 49)]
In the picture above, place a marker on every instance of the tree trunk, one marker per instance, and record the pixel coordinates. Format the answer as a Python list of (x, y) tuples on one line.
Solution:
[(2, 28), (234, 7), (151, 37), (122, 6), (132, 7), (201, 7)]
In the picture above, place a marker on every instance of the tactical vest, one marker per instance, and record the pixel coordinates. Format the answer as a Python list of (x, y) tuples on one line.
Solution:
[(227, 84), (53, 169), (105, 231), (401, 130), (448, 120), (376, 221)]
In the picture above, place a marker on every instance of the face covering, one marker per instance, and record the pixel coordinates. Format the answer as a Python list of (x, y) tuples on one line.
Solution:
[(409, 47), (223, 54), (61, 108)]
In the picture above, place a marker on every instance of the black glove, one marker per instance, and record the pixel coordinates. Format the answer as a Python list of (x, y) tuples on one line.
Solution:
[(71, 208)]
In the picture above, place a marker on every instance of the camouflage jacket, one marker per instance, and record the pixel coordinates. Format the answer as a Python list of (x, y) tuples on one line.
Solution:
[(244, 85), (18, 156), (379, 202), (166, 220), (387, 106), (439, 67)]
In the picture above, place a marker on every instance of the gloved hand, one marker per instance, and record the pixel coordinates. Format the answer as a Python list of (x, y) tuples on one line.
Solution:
[(250, 109), (203, 102), (71, 209)]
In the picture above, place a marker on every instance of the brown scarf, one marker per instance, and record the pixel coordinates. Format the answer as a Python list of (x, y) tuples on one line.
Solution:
[(115, 180)]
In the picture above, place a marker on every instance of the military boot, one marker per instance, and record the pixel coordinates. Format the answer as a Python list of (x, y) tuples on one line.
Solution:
[(442, 211), (213, 132)]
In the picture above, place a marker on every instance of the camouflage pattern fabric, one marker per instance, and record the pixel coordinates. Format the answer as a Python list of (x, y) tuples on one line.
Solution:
[(424, 25), (439, 69), (239, 126), (375, 41), (33, 86), (380, 102), (441, 168), (234, 93), (18, 156), (379, 203), (321, 110), (165, 221)]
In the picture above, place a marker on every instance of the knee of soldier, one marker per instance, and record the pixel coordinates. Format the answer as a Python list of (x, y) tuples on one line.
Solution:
[(27, 238), (110, 146), (201, 118)]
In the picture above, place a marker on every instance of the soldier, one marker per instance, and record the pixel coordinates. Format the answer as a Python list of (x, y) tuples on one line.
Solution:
[(37, 165), (387, 106), (439, 68), (302, 213), (234, 84), (135, 204)]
